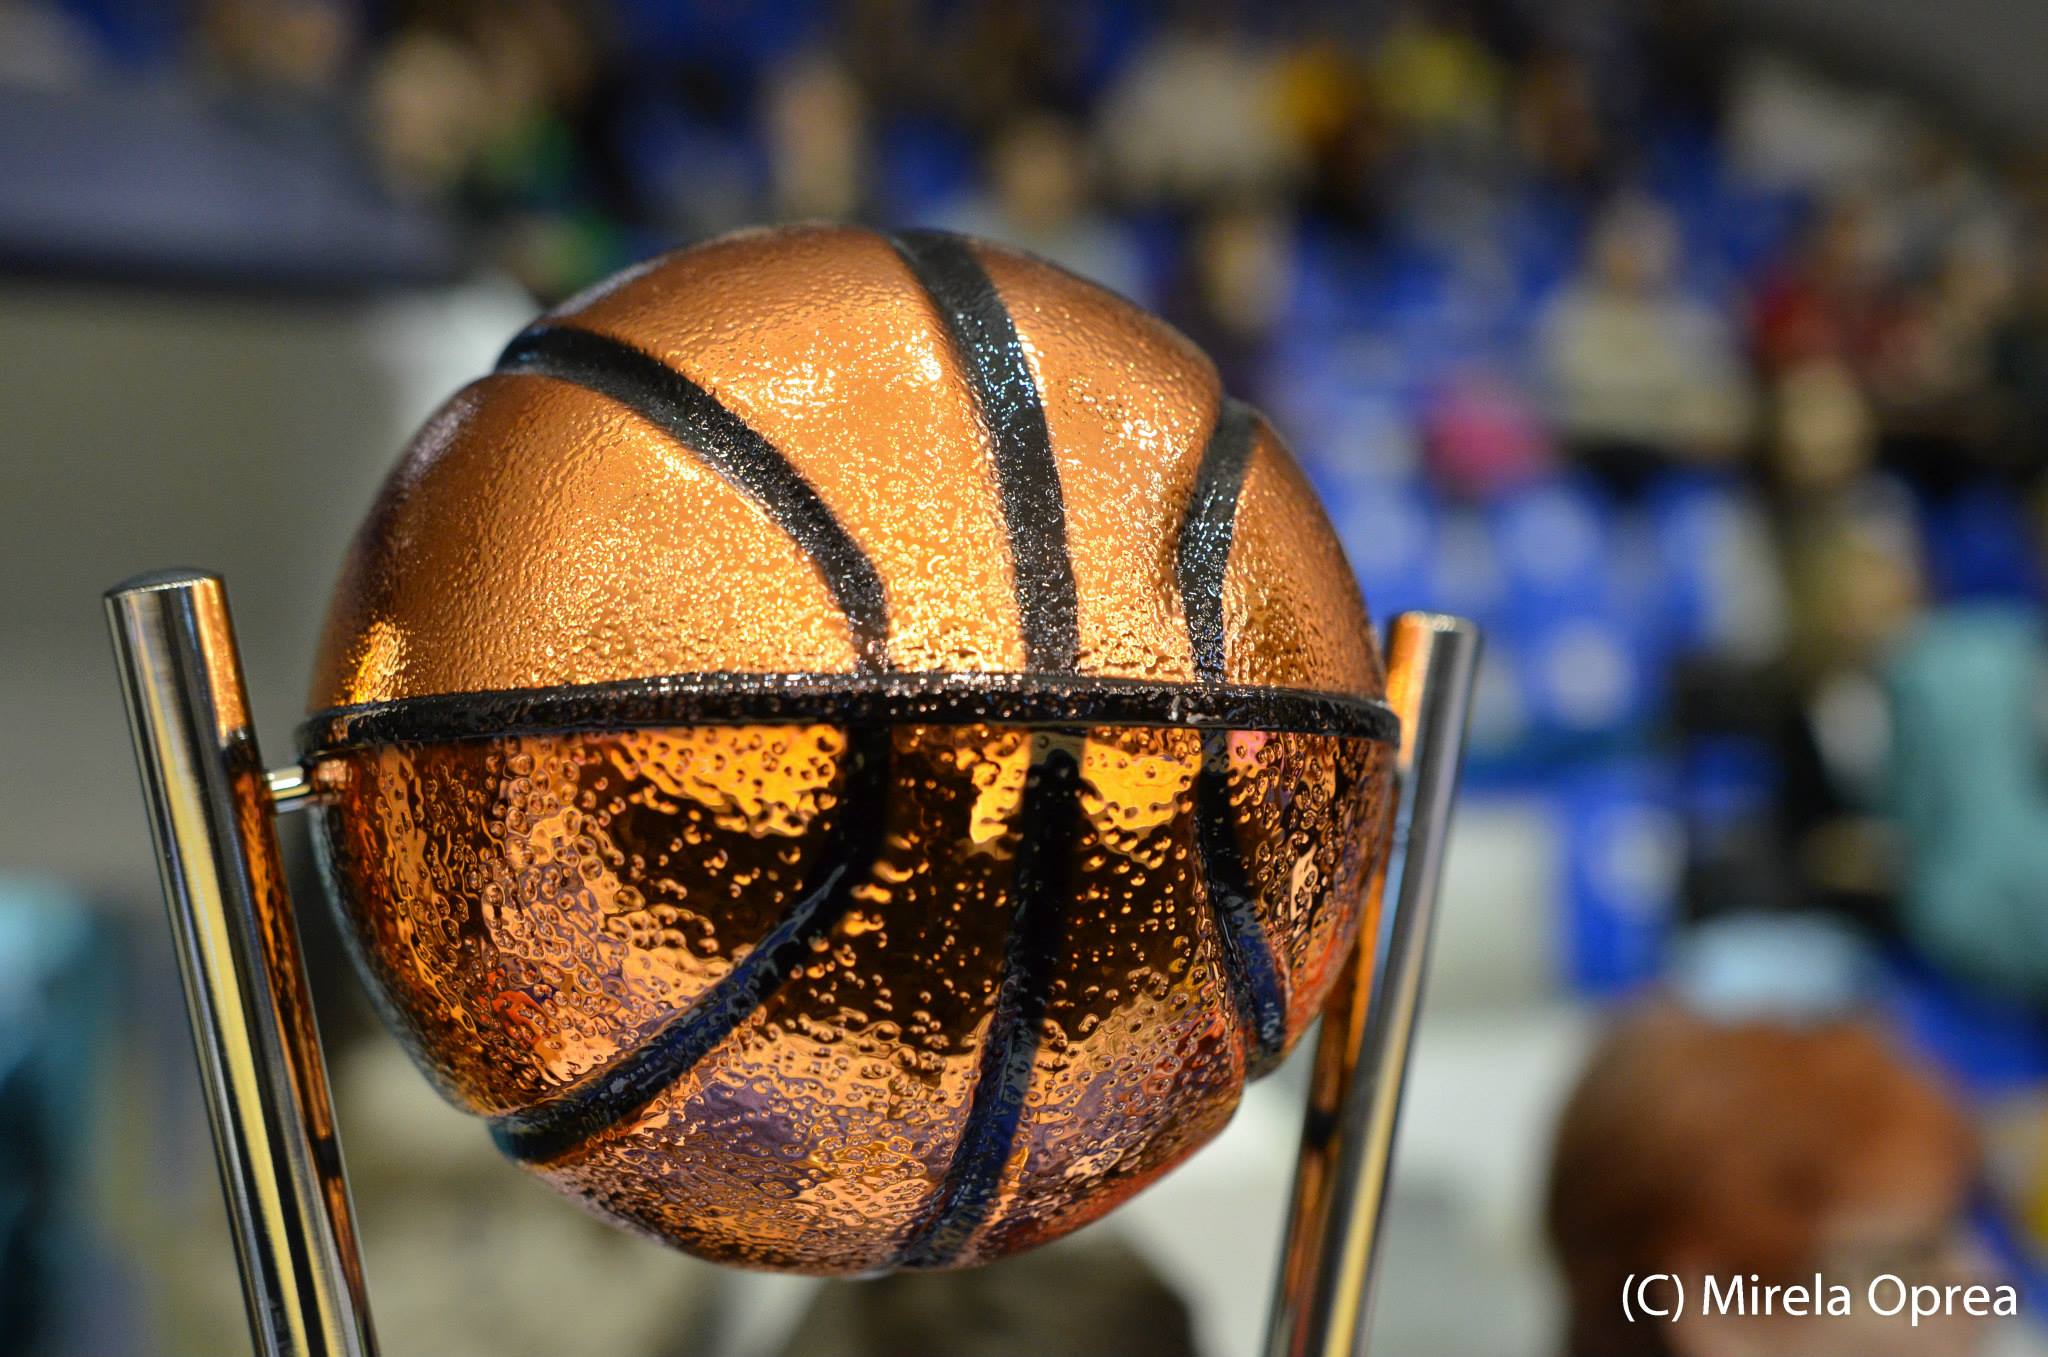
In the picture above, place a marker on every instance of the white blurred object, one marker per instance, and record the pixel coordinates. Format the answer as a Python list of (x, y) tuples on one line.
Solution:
[(431, 344), (1194, 115), (1803, 968)]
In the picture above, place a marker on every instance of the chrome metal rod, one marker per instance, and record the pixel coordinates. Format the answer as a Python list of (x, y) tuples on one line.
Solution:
[(210, 806), (1323, 1301), (290, 789)]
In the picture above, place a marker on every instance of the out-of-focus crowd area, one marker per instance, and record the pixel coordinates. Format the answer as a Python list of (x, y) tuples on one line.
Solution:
[(1702, 359)]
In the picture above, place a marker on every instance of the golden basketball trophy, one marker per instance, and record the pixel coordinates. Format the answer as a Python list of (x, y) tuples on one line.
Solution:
[(846, 751)]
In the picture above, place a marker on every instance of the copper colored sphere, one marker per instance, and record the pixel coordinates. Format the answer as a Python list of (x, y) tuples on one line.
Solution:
[(848, 750)]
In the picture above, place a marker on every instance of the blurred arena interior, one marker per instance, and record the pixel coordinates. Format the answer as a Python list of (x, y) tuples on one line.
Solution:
[(1698, 351)]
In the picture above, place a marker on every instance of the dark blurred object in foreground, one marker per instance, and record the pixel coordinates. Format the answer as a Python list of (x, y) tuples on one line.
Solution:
[(1093, 1297)]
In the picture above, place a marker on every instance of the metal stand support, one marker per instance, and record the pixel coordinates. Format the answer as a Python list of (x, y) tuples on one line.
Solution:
[(210, 806), (1323, 1300)]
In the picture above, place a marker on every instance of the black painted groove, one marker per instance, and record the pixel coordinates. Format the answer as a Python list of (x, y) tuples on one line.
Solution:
[(557, 1124), (1256, 986), (725, 442), (1027, 477), (694, 418), (1206, 532), (929, 698), (1203, 559), (1048, 834)]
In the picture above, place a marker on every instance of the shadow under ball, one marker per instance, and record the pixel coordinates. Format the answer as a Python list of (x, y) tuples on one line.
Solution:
[(848, 750)]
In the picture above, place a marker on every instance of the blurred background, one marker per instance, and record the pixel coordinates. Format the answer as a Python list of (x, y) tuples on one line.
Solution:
[(1699, 351)]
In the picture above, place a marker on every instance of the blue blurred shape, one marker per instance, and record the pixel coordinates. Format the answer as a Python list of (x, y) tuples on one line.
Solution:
[(1726, 780), (1390, 535), (1568, 603), (1980, 546), (1990, 1044), (166, 185), (925, 166), (726, 33), (1556, 546), (1623, 855)]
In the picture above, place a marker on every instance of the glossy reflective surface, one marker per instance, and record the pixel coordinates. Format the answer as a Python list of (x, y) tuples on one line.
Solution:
[(237, 941), (538, 533), (533, 909)]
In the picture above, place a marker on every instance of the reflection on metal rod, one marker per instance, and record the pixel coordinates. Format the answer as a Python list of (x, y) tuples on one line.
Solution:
[(210, 806), (290, 788), (1324, 1296)]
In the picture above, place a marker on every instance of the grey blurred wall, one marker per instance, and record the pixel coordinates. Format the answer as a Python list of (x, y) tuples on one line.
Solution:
[(1983, 57), (142, 430)]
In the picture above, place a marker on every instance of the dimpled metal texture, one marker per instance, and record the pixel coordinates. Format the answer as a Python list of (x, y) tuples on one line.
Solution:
[(848, 750)]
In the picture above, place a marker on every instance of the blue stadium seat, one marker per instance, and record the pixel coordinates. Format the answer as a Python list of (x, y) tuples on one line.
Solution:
[(1623, 853), (924, 166), (1980, 547)]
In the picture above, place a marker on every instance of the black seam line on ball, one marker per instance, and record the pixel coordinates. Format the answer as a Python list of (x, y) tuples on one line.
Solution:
[(1203, 559), (731, 448), (552, 1127), (1206, 533), (1048, 830), (930, 698), (1253, 971), (1027, 477)]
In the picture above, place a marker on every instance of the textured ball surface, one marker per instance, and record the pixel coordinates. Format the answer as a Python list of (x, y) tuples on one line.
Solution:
[(849, 750)]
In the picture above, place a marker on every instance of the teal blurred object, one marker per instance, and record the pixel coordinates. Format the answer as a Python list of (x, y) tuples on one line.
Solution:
[(1972, 800), (54, 981)]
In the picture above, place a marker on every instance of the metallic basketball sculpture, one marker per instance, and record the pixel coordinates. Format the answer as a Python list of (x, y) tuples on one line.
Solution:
[(847, 751)]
